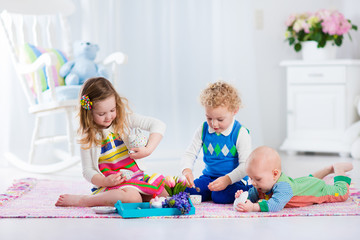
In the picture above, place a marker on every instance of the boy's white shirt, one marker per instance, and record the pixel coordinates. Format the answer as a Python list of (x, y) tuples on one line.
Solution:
[(90, 157), (243, 147)]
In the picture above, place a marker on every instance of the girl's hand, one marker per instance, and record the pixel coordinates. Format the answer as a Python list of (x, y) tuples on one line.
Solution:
[(140, 152), (187, 172), (113, 180), (220, 183), (248, 206)]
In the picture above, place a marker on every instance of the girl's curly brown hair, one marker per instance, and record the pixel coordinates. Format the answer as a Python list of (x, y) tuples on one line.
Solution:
[(98, 89), (219, 94)]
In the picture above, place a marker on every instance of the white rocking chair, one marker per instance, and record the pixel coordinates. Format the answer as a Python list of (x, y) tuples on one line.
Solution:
[(39, 30)]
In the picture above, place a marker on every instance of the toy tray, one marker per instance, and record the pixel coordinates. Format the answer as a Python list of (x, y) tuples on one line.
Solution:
[(135, 210)]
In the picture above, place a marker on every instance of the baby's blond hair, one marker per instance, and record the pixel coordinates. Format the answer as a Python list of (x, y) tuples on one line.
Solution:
[(219, 94), (264, 157)]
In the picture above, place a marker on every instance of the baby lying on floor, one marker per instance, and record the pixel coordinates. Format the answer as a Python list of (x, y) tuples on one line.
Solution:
[(273, 190)]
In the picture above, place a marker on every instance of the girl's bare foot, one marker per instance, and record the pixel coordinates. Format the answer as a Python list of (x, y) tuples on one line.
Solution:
[(71, 200), (342, 167)]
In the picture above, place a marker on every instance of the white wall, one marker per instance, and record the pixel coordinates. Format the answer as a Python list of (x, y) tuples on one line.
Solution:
[(175, 49), (179, 46), (262, 22)]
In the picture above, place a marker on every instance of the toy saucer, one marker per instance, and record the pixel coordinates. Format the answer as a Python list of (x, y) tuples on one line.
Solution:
[(104, 209)]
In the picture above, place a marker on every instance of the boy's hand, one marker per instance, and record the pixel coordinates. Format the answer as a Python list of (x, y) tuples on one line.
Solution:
[(220, 184), (248, 206), (138, 153), (187, 172), (113, 180)]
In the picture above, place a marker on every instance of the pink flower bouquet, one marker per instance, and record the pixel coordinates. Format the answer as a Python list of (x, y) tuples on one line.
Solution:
[(175, 185), (322, 26)]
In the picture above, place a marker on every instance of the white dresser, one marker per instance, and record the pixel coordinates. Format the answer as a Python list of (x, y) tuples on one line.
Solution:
[(320, 105)]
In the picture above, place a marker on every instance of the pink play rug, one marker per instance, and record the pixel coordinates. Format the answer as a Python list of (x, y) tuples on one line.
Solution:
[(35, 198)]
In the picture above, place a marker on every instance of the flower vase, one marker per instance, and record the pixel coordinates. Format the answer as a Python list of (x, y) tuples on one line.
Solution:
[(310, 51)]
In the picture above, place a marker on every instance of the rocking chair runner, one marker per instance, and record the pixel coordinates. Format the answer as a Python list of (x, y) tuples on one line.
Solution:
[(49, 97)]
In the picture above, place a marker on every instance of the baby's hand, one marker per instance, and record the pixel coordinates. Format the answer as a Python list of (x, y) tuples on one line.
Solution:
[(238, 193), (140, 152), (248, 206), (219, 184), (113, 180), (244, 207)]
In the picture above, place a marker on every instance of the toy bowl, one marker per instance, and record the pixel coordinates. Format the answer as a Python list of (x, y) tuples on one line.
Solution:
[(196, 199), (127, 173)]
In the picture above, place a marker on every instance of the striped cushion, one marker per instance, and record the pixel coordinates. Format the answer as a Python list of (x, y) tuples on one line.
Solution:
[(29, 53)]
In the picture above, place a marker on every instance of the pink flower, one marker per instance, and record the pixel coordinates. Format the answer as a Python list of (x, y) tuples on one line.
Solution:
[(335, 24), (345, 27), (330, 26), (306, 27), (291, 19), (182, 180), (323, 14), (170, 181)]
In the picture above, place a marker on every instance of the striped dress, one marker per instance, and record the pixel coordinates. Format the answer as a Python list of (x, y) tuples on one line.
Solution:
[(114, 157)]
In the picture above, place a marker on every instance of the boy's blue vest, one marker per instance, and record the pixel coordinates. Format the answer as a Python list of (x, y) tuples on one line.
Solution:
[(220, 154)]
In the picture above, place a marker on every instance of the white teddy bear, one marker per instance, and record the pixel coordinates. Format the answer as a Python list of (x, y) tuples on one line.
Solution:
[(352, 134)]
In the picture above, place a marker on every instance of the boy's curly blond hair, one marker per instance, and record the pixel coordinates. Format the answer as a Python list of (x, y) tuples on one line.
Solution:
[(219, 94)]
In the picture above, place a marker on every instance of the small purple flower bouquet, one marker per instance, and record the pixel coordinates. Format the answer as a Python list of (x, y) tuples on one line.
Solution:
[(179, 201), (178, 197)]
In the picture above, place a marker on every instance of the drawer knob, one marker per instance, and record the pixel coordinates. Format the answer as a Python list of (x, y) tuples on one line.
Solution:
[(316, 75)]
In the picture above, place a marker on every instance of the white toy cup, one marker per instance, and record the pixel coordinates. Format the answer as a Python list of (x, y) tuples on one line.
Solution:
[(195, 199)]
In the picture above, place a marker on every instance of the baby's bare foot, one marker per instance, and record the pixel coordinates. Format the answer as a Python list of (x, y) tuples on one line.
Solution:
[(70, 200), (342, 167), (329, 169)]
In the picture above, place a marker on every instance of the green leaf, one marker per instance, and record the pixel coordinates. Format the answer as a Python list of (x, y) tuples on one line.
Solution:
[(297, 47), (182, 188), (291, 41), (169, 191), (176, 188), (338, 41), (171, 202), (322, 42), (179, 187), (307, 37), (317, 36), (301, 35)]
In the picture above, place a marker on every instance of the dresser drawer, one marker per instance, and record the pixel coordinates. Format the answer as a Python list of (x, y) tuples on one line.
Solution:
[(328, 74)]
